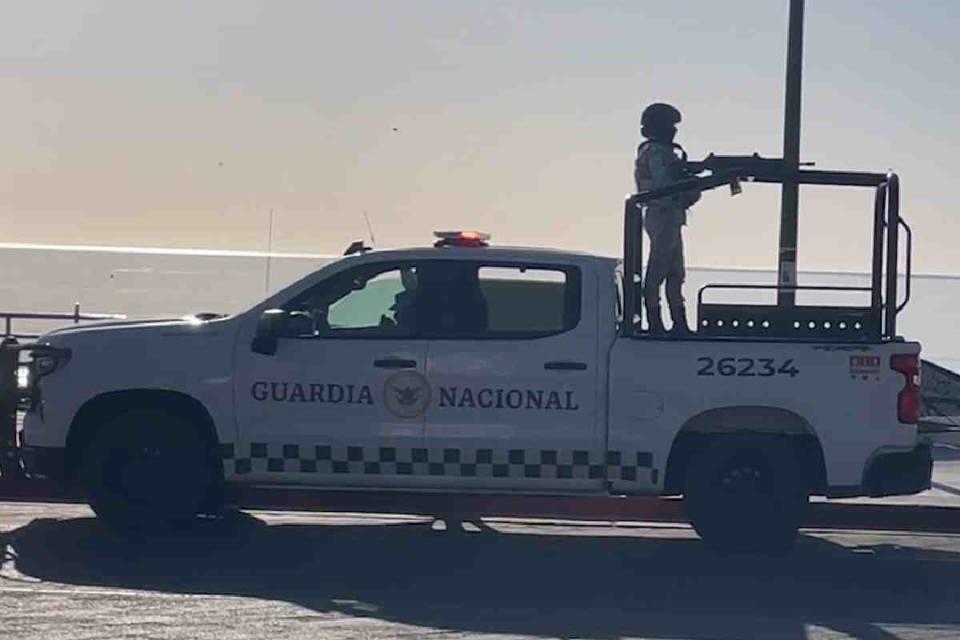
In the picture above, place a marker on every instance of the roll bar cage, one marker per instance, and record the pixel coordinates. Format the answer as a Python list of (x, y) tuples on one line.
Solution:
[(875, 323)]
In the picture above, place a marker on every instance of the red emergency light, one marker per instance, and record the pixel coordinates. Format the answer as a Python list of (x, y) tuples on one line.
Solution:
[(473, 239)]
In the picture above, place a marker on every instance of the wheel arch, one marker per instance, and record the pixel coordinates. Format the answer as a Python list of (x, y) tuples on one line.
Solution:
[(700, 430), (97, 410)]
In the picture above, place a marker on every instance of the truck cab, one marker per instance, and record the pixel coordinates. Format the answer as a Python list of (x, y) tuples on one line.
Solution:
[(453, 367)]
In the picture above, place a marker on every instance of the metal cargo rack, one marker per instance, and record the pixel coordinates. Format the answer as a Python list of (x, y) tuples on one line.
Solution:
[(875, 322)]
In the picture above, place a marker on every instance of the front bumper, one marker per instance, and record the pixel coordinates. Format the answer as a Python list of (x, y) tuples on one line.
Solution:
[(43, 462), (899, 473)]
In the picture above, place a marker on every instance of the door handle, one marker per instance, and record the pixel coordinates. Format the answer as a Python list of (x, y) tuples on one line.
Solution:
[(395, 363), (565, 366)]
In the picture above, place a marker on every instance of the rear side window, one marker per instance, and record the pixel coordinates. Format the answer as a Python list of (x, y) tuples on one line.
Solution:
[(525, 300), (469, 300)]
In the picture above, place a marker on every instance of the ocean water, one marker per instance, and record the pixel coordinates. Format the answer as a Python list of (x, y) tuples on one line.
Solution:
[(155, 283), (140, 283)]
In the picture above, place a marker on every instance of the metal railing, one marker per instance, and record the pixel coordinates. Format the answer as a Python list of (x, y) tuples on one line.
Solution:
[(76, 317), (887, 225)]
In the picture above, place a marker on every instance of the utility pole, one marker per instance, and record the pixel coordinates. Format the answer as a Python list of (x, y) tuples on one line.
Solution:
[(790, 196)]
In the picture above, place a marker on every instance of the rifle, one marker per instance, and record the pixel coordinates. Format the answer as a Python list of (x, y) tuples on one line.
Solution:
[(755, 165), (723, 170), (749, 168)]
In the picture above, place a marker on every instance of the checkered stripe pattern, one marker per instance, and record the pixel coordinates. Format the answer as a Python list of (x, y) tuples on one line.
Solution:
[(262, 457), (627, 466)]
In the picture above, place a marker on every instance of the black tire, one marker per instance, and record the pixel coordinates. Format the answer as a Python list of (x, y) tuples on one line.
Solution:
[(747, 493), (147, 470)]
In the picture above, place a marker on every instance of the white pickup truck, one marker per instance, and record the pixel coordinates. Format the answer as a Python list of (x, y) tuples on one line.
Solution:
[(461, 368), (467, 368)]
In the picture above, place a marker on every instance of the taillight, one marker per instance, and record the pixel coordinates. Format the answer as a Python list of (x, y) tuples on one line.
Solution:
[(908, 400)]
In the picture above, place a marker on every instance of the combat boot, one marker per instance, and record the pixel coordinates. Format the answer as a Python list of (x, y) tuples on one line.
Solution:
[(655, 321), (680, 327)]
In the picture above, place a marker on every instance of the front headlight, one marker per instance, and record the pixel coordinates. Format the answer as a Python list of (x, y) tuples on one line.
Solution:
[(23, 377)]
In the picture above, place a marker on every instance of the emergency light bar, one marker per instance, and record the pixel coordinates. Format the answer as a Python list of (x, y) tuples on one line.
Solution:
[(474, 239)]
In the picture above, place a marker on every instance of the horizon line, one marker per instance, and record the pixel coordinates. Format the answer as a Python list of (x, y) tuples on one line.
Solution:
[(235, 253), (90, 248)]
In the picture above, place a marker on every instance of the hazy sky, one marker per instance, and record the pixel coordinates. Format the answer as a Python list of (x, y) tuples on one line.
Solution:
[(184, 123)]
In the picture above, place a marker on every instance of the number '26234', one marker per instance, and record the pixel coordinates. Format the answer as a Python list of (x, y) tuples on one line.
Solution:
[(746, 367)]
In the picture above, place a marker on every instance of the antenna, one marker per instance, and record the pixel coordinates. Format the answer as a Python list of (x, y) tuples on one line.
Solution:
[(373, 241), (266, 280)]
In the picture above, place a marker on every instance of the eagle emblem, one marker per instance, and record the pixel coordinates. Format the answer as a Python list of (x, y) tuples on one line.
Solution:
[(406, 394)]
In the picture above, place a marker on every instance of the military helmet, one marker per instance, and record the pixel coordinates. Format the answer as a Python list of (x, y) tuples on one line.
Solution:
[(660, 115)]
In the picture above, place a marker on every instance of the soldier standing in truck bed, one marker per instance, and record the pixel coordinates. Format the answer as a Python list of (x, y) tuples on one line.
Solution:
[(658, 164)]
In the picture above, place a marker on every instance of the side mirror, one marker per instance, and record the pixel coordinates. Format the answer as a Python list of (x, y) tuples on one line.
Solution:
[(265, 338)]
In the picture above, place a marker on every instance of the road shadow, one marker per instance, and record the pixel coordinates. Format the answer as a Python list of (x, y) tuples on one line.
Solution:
[(547, 584)]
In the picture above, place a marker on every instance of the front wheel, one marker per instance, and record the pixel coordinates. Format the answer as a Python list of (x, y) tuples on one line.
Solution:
[(146, 469), (747, 493)]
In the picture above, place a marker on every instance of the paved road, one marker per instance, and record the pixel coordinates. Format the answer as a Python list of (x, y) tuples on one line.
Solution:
[(275, 575)]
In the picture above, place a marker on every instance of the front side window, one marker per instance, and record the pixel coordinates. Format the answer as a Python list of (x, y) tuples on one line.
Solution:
[(367, 301)]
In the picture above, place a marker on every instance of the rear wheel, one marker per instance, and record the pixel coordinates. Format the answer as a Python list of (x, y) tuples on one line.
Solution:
[(147, 469), (747, 493)]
